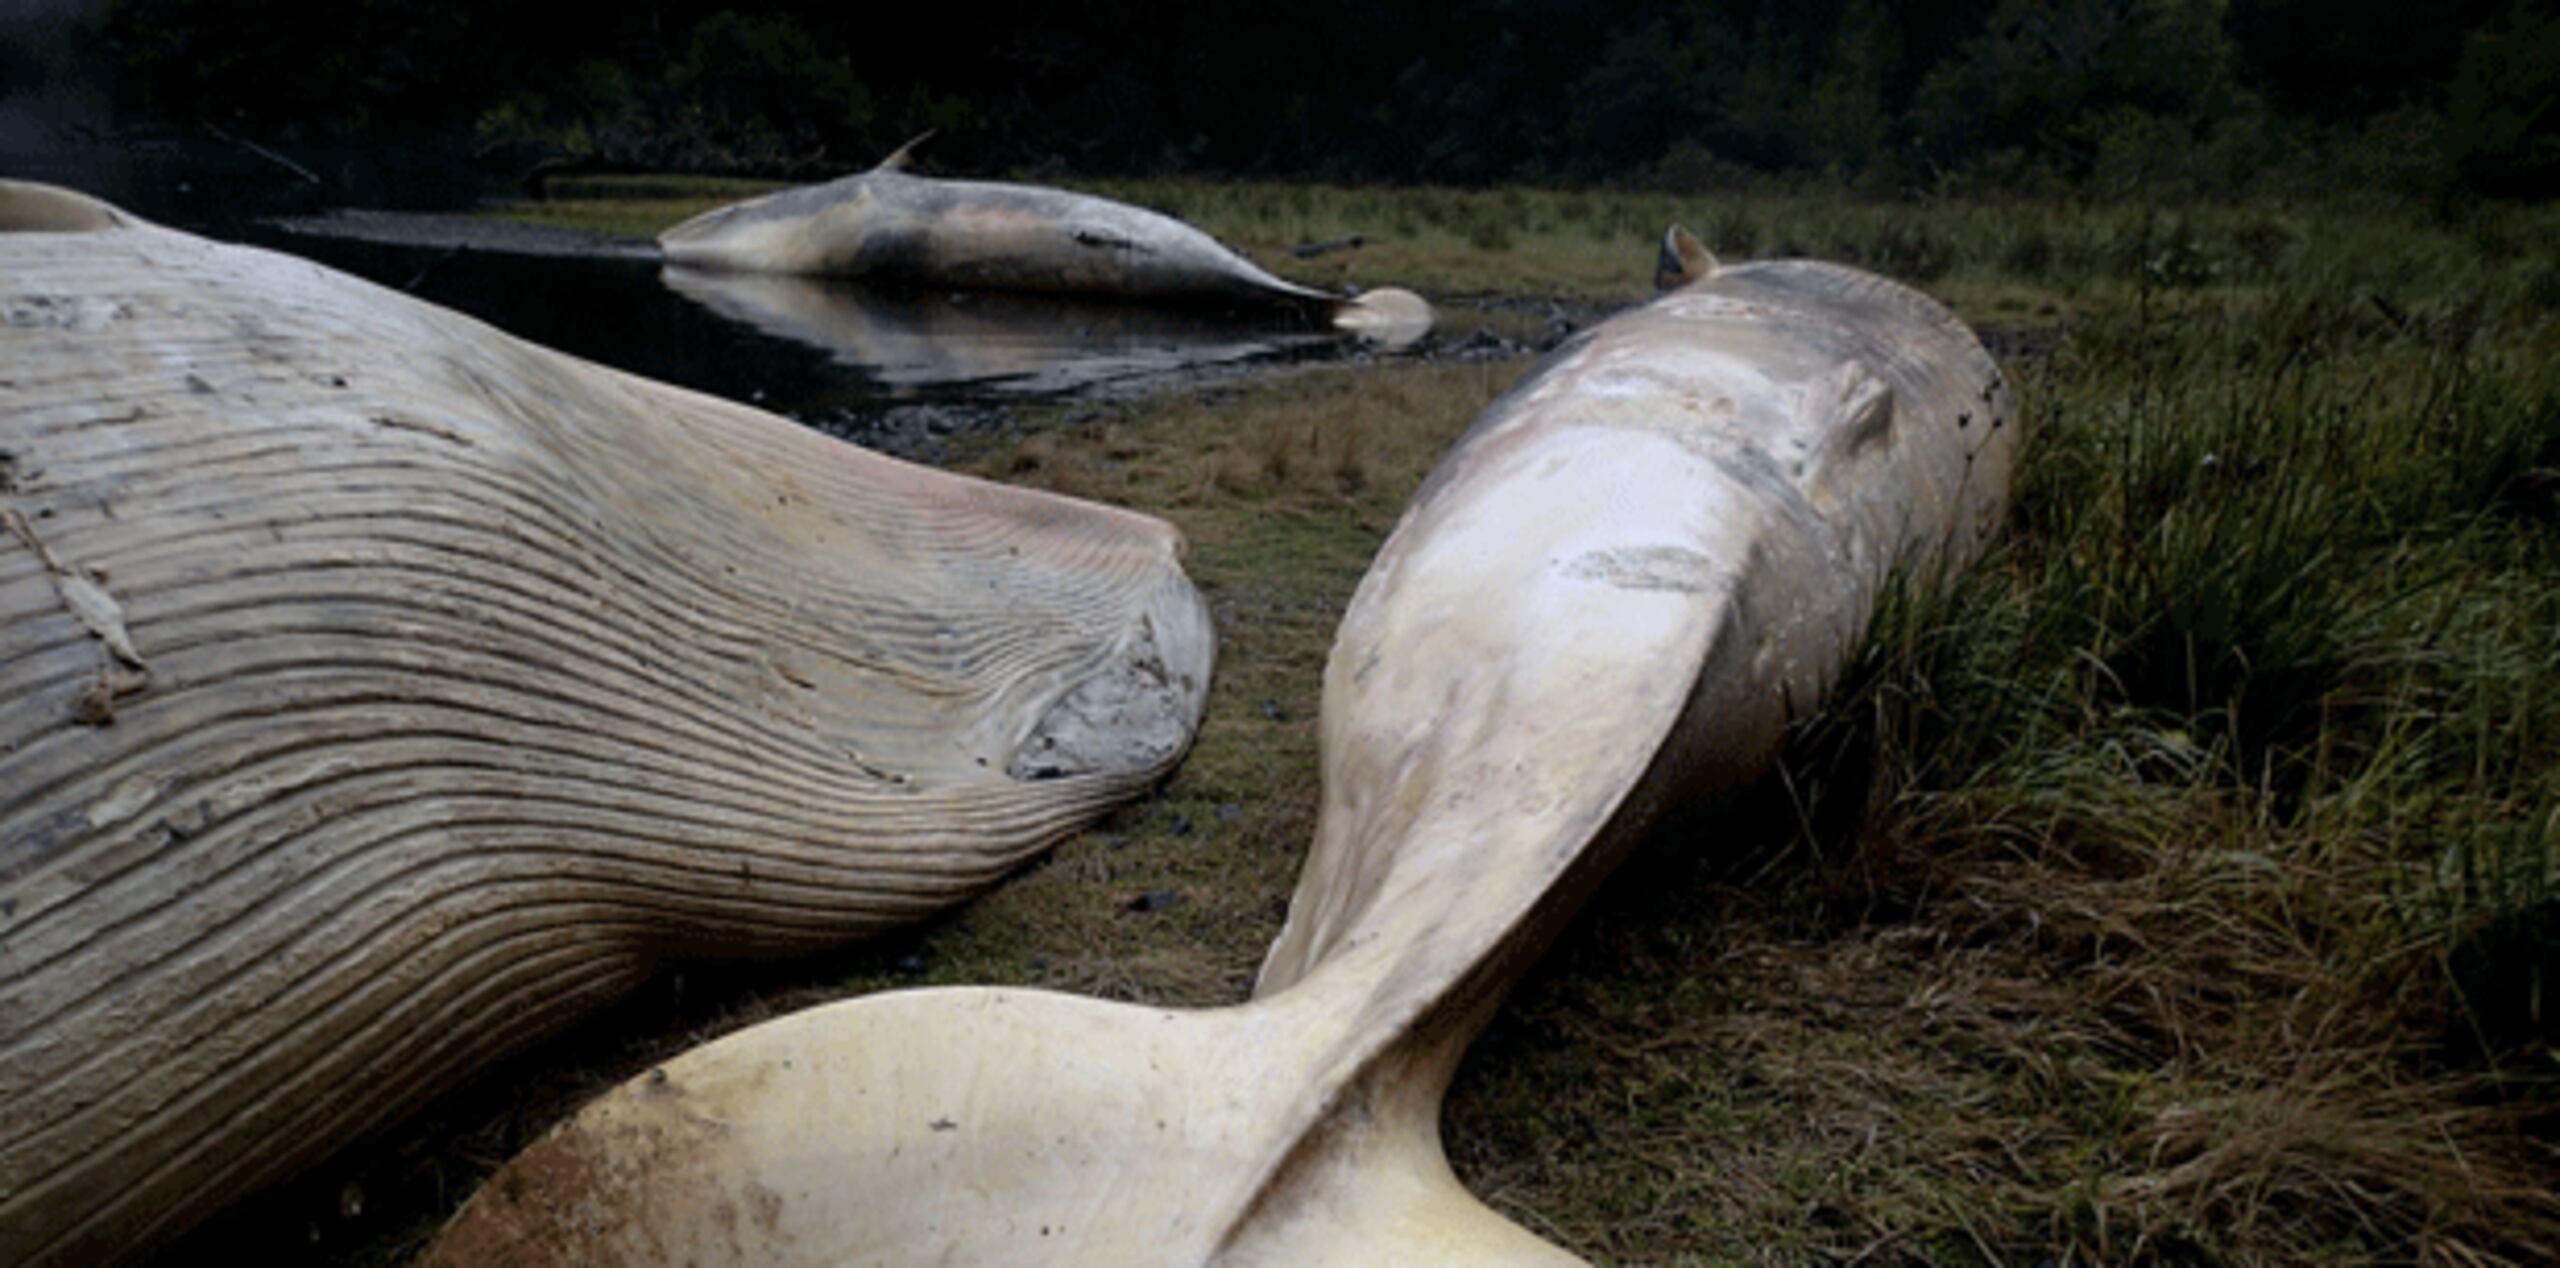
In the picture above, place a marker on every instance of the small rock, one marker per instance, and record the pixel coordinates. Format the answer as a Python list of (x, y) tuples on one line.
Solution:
[(1154, 900)]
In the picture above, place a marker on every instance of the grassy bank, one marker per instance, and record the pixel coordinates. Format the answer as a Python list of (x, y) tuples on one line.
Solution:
[(2183, 886)]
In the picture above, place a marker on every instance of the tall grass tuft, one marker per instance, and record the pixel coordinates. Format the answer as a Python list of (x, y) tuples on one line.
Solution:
[(2246, 742)]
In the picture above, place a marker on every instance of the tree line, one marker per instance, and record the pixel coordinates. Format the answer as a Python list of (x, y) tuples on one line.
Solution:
[(2209, 97)]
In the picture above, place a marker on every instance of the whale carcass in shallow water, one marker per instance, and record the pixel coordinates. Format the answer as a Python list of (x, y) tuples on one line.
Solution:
[(383, 691), (886, 225), (1609, 597)]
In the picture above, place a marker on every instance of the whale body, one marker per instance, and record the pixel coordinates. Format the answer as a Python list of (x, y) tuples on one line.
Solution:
[(889, 226), (383, 692)]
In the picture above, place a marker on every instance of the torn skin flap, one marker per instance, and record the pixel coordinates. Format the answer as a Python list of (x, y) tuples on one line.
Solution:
[(99, 613), (81, 592)]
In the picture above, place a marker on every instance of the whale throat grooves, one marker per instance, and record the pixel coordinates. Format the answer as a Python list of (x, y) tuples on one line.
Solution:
[(384, 692)]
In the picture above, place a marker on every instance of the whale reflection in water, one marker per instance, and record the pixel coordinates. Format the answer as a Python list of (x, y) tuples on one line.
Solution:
[(1031, 344)]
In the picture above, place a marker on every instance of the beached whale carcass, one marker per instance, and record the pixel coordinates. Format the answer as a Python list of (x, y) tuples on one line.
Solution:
[(886, 225), (382, 691), (1608, 598)]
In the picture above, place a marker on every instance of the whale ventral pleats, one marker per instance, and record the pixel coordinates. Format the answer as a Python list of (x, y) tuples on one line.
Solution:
[(383, 693)]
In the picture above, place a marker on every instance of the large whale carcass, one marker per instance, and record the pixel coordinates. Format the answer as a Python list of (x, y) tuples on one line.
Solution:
[(886, 225), (1609, 597), (382, 691)]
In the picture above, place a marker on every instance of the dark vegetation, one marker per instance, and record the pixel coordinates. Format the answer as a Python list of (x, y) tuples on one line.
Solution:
[(2112, 96)]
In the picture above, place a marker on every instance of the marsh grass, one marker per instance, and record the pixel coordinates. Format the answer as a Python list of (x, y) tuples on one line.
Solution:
[(2186, 812), (2181, 885)]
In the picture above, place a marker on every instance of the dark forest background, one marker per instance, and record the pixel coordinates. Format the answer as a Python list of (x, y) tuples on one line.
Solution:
[(2200, 97)]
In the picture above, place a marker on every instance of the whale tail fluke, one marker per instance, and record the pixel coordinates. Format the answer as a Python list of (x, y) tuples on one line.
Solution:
[(999, 1125), (1389, 315), (1683, 259), (993, 1125)]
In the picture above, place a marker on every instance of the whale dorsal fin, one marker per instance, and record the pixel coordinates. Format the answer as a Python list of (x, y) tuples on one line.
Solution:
[(1683, 260), (904, 156)]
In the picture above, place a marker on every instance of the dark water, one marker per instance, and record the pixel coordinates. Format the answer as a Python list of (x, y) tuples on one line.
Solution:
[(895, 369), (601, 308)]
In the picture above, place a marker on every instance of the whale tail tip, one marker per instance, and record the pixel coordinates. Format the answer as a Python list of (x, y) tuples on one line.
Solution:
[(1682, 260), (1389, 315)]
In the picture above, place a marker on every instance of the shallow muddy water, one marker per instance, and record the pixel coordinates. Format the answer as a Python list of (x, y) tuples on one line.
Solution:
[(897, 370)]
